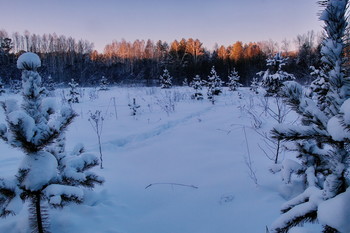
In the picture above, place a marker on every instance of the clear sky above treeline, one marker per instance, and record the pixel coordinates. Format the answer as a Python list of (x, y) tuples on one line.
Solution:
[(211, 21)]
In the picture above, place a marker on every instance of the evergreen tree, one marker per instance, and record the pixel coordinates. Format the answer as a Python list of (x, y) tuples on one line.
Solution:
[(254, 86), (322, 139), (133, 107), (2, 88), (214, 84), (185, 82), (15, 86), (43, 178), (319, 87), (104, 84), (73, 96), (233, 80), (197, 85), (165, 79), (274, 76), (50, 86)]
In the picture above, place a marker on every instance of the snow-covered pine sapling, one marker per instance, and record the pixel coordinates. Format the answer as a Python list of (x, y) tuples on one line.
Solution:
[(322, 140), (73, 95), (214, 84), (165, 79), (50, 86), (273, 78), (15, 86), (43, 178), (233, 80), (133, 107), (185, 82), (254, 85), (104, 84), (2, 88), (96, 120), (197, 85), (319, 87)]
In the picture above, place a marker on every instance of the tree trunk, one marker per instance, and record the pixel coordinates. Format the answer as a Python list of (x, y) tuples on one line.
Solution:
[(39, 220)]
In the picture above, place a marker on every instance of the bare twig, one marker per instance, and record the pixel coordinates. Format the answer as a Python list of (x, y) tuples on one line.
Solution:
[(112, 99), (226, 131), (96, 121), (249, 162), (177, 184)]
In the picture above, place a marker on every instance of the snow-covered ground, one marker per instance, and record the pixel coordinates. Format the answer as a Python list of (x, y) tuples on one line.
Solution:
[(178, 166)]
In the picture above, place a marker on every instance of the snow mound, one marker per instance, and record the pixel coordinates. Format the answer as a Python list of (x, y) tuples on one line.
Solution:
[(345, 109), (55, 191), (335, 212), (41, 168), (28, 61), (336, 130)]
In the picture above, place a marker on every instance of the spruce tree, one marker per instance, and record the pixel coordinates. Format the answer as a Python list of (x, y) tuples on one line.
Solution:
[(43, 178), (322, 138), (233, 82), (272, 79), (165, 79)]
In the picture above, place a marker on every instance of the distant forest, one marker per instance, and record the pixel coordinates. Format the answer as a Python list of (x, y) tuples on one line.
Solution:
[(142, 62)]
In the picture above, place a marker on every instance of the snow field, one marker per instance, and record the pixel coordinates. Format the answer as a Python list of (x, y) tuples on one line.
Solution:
[(197, 144)]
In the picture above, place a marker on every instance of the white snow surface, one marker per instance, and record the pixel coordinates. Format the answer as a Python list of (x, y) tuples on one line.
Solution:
[(198, 144), (336, 212), (28, 59)]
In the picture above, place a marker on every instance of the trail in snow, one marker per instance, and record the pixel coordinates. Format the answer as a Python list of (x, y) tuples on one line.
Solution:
[(121, 142)]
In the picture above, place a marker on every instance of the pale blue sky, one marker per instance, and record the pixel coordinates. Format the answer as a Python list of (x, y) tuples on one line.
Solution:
[(221, 21)]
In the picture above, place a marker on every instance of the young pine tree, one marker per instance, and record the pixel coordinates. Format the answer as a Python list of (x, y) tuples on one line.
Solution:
[(322, 140), (2, 88), (214, 84), (73, 96), (104, 84), (185, 82), (165, 79), (254, 86), (233, 80), (319, 87), (50, 86), (197, 85), (15, 86), (43, 178), (133, 107), (272, 79)]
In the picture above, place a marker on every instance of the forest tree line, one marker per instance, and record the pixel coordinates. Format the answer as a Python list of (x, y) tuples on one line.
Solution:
[(142, 62)]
